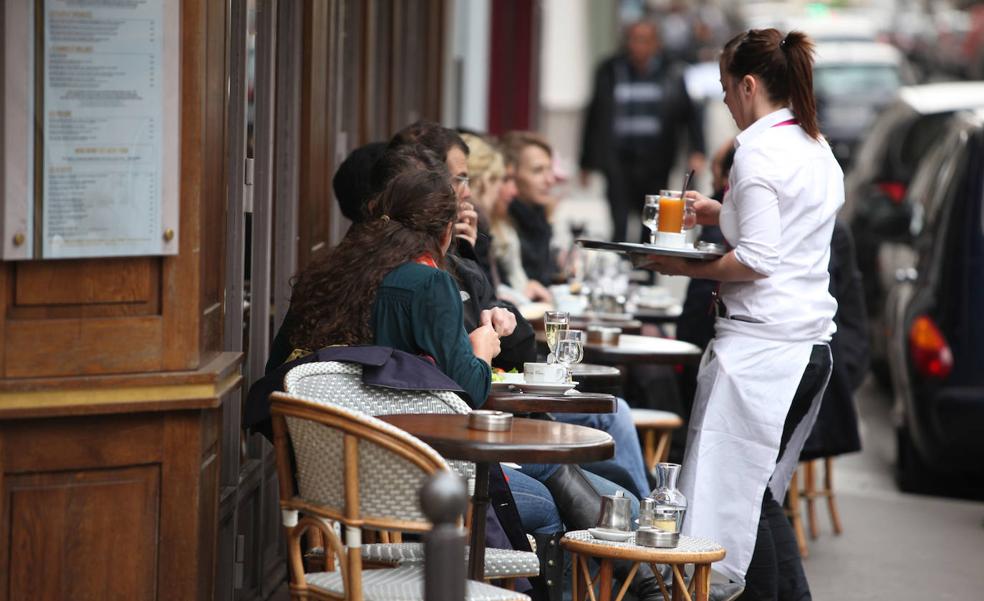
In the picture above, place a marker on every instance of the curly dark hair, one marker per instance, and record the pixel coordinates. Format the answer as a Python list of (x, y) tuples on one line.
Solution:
[(333, 297)]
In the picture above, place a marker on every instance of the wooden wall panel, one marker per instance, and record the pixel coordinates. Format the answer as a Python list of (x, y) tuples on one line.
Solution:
[(58, 521), (214, 184), (69, 347), (378, 47), (316, 130), (70, 443), (103, 281)]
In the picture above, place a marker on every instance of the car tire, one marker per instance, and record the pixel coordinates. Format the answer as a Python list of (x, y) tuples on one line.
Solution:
[(882, 373), (912, 474)]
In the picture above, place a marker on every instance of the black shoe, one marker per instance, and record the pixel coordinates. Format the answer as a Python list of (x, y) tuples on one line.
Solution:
[(577, 501)]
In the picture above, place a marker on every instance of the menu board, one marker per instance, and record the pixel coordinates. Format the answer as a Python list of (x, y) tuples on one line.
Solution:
[(105, 170)]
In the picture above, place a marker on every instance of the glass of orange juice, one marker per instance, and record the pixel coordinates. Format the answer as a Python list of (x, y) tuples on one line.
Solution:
[(671, 209)]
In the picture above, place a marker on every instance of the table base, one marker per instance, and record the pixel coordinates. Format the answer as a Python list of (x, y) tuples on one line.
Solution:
[(480, 503), (697, 590)]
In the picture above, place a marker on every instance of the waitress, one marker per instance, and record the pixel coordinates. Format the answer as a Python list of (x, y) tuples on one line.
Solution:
[(762, 377)]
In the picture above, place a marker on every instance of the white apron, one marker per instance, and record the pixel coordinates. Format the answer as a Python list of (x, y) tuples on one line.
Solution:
[(748, 376)]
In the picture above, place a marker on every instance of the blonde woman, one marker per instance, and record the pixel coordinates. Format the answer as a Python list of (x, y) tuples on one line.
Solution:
[(493, 189)]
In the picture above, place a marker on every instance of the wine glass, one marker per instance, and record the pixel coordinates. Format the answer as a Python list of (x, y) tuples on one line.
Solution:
[(570, 349), (650, 216), (554, 322)]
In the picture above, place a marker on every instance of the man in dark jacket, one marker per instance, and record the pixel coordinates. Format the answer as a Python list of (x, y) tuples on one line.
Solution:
[(632, 128)]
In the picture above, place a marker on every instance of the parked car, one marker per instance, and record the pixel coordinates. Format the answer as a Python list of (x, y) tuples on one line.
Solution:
[(935, 330), (875, 189), (853, 82)]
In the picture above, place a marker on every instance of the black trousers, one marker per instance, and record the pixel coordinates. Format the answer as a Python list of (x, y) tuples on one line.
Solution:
[(629, 181), (775, 572)]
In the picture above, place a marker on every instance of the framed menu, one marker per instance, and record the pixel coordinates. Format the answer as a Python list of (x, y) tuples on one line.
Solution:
[(108, 150)]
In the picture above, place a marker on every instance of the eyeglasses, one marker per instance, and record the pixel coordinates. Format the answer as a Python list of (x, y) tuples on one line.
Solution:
[(460, 181)]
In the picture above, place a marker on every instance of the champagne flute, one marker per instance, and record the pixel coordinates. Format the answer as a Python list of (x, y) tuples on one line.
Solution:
[(650, 216), (554, 322), (570, 349)]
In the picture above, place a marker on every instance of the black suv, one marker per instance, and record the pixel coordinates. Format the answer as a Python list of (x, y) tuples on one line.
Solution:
[(875, 188), (933, 313)]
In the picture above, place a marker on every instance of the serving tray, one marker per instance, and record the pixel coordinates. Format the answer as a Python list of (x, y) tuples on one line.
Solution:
[(705, 252)]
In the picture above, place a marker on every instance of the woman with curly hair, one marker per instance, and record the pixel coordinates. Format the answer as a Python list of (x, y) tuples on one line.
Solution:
[(385, 284)]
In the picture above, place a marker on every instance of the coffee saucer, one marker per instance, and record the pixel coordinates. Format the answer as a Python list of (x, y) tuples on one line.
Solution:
[(611, 535), (545, 387)]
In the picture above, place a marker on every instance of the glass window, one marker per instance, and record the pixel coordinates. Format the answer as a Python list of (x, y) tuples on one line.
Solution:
[(866, 81)]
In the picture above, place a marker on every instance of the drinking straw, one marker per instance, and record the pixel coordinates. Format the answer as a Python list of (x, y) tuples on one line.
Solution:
[(687, 179)]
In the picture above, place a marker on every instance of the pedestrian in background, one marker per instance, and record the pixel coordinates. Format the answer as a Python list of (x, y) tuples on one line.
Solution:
[(632, 131)]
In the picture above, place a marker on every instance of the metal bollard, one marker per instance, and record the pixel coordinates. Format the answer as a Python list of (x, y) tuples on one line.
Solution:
[(443, 500)]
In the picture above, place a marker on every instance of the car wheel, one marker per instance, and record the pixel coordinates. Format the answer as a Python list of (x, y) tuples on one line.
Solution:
[(882, 373), (912, 474)]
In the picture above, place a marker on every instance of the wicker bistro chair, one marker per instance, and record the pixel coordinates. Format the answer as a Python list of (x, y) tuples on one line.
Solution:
[(375, 484), (340, 384)]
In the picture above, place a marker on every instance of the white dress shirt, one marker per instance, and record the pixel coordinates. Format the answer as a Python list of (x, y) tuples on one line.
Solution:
[(778, 215)]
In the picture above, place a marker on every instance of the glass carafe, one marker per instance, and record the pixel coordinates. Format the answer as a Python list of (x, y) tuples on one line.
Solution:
[(671, 504)]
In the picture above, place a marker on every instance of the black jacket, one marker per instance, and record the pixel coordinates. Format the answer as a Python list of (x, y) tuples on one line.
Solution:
[(516, 348), (599, 147), (836, 429), (535, 234)]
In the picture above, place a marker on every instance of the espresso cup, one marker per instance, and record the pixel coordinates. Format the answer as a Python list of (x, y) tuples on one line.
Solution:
[(616, 512), (544, 373)]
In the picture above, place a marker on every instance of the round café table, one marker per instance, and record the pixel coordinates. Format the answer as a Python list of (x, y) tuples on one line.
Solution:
[(522, 402), (643, 349), (528, 441), (592, 377), (658, 316)]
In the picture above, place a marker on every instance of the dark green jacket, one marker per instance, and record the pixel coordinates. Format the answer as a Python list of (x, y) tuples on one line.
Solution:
[(418, 310)]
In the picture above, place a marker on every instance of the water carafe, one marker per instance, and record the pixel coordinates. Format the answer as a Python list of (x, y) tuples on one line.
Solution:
[(671, 504)]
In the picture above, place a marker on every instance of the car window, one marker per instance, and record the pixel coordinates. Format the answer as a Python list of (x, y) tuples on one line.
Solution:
[(935, 179), (874, 156), (912, 146), (864, 81)]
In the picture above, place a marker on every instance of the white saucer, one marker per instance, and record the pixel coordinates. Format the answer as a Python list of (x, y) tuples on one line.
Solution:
[(612, 535), (544, 388)]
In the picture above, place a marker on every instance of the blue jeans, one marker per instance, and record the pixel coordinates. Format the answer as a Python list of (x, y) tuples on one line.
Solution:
[(626, 468), (536, 505)]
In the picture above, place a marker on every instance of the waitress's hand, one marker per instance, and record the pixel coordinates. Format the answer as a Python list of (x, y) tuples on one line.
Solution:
[(484, 343), (663, 265), (708, 210)]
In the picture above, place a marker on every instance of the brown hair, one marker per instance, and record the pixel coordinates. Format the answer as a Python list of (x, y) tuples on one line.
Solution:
[(783, 64), (432, 136), (514, 142), (333, 297)]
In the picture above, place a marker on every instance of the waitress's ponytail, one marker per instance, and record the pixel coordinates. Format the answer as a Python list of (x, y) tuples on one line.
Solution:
[(783, 64), (799, 58)]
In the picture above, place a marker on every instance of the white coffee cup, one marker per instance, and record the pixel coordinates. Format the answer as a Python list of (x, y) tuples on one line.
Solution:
[(544, 373)]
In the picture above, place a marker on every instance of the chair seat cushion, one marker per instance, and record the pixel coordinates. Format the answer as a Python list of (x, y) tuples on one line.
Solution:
[(405, 584), (499, 563)]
